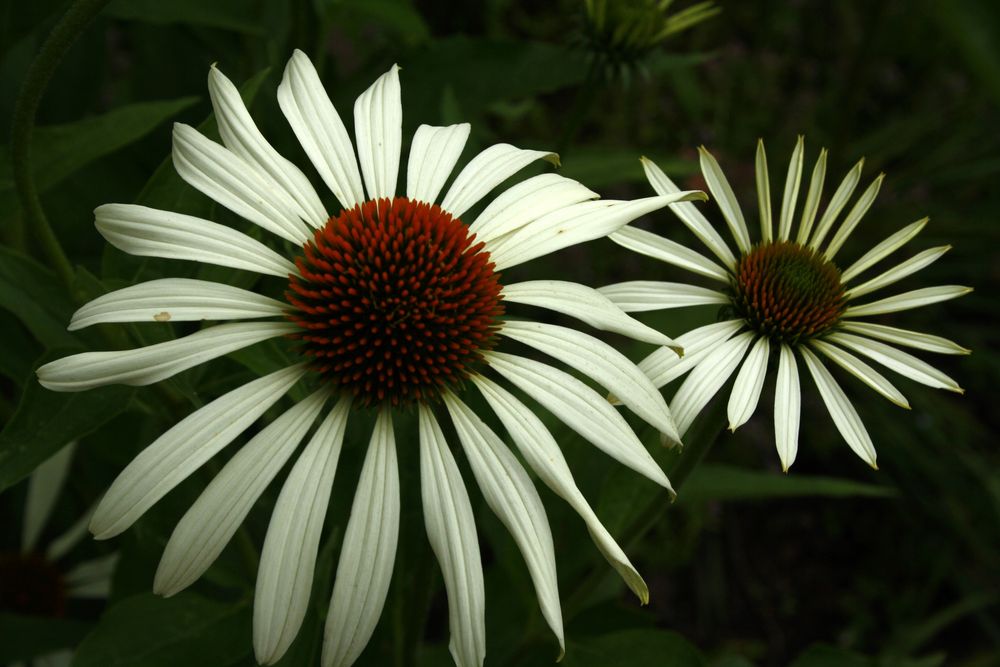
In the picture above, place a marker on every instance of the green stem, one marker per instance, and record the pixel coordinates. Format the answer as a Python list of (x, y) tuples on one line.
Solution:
[(65, 33), (582, 105)]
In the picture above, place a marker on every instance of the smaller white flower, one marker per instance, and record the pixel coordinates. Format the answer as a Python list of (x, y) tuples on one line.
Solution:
[(789, 300), (40, 579)]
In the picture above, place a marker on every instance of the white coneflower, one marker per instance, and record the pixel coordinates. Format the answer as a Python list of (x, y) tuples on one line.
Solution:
[(39, 580), (787, 299), (395, 302)]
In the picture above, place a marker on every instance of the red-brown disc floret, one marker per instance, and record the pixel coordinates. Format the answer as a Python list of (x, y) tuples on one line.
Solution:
[(788, 292), (395, 301)]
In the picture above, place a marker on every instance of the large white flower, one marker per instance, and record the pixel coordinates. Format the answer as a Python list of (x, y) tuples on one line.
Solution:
[(786, 298), (395, 302)]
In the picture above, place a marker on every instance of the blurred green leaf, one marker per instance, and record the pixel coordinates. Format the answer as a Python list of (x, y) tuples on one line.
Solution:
[(46, 421), (151, 631), (634, 648), (34, 295), (24, 637), (821, 655), (60, 150), (601, 166), (482, 71), (721, 482), (972, 29), (397, 15), (226, 14)]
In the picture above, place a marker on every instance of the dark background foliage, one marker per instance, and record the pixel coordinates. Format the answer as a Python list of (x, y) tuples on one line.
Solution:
[(833, 564)]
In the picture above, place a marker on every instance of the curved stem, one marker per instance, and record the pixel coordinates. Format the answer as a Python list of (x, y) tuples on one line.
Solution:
[(65, 33)]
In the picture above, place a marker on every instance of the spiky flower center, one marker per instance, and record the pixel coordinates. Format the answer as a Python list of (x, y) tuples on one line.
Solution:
[(787, 291), (395, 301), (31, 585)]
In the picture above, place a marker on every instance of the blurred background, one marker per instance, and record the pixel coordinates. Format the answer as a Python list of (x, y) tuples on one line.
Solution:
[(833, 564)]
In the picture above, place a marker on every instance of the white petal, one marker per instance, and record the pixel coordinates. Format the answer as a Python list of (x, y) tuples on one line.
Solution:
[(44, 486), (749, 381), (524, 202), (320, 130), (540, 450), (854, 217), (91, 579), (434, 152), (206, 528), (812, 198), (723, 194), (787, 408), (689, 215), (584, 303), (146, 365), (921, 341), (368, 552), (903, 363), (837, 203), (581, 408), (862, 371), (176, 300), (236, 184), (378, 127), (184, 448), (642, 295), (908, 300), (898, 272), (663, 365), (600, 362), (285, 576), (706, 379), (763, 192), (845, 417), (241, 136), (149, 232), (451, 530), (671, 252), (513, 498), (572, 225), (487, 170), (883, 249), (791, 195)]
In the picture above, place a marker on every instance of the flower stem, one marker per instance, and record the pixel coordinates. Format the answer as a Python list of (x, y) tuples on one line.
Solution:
[(65, 33)]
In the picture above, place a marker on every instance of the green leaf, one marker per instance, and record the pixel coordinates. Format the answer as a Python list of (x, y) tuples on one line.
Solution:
[(822, 655), (398, 15), (45, 421), (58, 151), (150, 631), (600, 167), (635, 648), (24, 637), (225, 14), (34, 295), (721, 482)]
